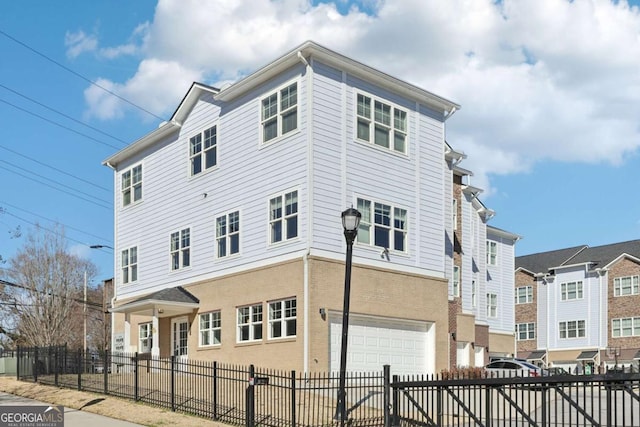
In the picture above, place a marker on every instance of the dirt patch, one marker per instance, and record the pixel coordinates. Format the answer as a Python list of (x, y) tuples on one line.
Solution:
[(104, 405)]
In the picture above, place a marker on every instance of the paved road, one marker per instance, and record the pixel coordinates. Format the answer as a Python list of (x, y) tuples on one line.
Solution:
[(72, 417)]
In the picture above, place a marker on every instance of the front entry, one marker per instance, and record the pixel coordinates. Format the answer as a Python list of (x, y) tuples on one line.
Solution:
[(179, 335)]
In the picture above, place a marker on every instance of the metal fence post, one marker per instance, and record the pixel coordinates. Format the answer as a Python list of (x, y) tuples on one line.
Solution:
[(104, 371), (395, 417), (18, 364), (250, 399), (80, 368), (35, 365), (56, 366), (173, 382), (293, 399), (488, 404), (135, 372), (215, 391), (386, 371)]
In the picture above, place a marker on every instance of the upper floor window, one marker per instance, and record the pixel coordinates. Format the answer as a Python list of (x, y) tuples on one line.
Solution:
[(381, 124), (203, 150), (571, 290), (525, 331), (572, 329), (131, 185), (129, 265), (228, 234), (455, 291), (524, 294), (180, 249), (625, 327), (474, 296), (210, 329), (492, 305), (282, 318), (145, 338), (250, 323), (283, 217), (382, 225), (625, 286), (280, 113), (492, 253), (455, 214)]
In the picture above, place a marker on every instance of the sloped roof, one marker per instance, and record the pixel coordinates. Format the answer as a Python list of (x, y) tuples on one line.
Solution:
[(602, 256), (544, 261), (177, 294)]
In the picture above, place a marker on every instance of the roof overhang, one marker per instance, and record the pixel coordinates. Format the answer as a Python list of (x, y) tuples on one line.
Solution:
[(537, 355), (462, 171), (588, 355), (503, 233), (167, 302), (623, 255)]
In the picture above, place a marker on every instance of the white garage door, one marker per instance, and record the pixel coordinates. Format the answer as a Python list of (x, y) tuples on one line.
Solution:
[(408, 347)]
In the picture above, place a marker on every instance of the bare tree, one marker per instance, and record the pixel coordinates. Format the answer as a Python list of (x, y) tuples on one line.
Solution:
[(46, 304)]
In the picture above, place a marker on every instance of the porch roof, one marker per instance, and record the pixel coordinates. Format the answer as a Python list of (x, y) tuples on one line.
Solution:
[(587, 355), (169, 302), (537, 355)]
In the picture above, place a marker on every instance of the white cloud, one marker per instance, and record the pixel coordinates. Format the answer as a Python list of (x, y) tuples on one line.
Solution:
[(78, 43), (537, 79)]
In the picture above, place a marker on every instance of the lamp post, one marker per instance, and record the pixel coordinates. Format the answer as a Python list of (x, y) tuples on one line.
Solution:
[(350, 221)]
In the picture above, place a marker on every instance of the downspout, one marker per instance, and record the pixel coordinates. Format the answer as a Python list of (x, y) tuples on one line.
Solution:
[(305, 258)]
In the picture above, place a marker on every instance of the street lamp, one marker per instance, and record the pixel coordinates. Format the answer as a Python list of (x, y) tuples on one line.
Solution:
[(350, 221)]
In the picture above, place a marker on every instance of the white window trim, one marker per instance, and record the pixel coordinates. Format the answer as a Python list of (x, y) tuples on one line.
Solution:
[(148, 327), (529, 328), (391, 228), (635, 324), (617, 286), (491, 306), (227, 235), (129, 266), (577, 329), (528, 297), (492, 253), (211, 330), (283, 218), (250, 324), (455, 287), (564, 292), (455, 214), (283, 319), (131, 186), (203, 169), (180, 250), (371, 143), (278, 92)]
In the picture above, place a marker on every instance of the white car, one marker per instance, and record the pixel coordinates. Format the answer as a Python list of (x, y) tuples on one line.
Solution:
[(512, 368)]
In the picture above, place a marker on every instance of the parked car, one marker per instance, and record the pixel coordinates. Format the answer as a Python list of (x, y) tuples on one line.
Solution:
[(555, 370), (512, 368)]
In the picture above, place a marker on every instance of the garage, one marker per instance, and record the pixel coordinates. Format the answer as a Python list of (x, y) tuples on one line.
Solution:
[(407, 346)]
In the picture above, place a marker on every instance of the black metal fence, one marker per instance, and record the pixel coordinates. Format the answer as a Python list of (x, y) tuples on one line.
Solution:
[(246, 395)]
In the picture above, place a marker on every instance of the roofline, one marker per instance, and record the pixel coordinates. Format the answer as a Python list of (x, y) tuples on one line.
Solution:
[(165, 129), (622, 255), (525, 270), (504, 233), (146, 302)]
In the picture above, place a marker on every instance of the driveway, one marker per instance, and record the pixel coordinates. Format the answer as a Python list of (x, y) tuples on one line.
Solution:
[(72, 417)]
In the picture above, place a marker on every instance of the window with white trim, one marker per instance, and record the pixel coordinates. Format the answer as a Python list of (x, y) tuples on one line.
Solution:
[(181, 249), (228, 234), (282, 318), (455, 214), (455, 288), (572, 329), (381, 123), (492, 305), (279, 113), (210, 329), (492, 253), (382, 225), (571, 290), (145, 337), (625, 327), (525, 331), (474, 296), (131, 185), (283, 217), (623, 286), (250, 323), (203, 150), (129, 265), (524, 294)]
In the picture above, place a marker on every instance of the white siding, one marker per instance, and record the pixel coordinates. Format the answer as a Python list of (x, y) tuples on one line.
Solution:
[(500, 280)]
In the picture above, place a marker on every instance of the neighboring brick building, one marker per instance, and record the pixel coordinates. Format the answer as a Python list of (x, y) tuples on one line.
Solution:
[(579, 305)]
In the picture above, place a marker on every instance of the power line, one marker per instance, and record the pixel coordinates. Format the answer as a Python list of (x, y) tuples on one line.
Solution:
[(15, 285), (54, 168), (79, 75), (63, 114)]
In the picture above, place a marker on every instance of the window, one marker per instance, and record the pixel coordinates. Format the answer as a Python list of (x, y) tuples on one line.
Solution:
[(283, 223), (571, 290), (210, 329), (386, 127), (203, 156), (455, 214), (492, 253), (145, 338), (130, 265), (280, 113), (250, 323), (474, 298), (525, 331), (625, 286), (388, 228), (228, 234), (492, 305), (456, 281), (132, 185), (625, 327), (282, 318), (524, 294), (572, 329), (180, 249)]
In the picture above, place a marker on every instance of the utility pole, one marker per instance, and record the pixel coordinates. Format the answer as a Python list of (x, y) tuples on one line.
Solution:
[(85, 311)]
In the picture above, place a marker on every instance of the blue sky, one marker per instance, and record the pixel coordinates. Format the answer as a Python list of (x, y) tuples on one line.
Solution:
[(550, 95)]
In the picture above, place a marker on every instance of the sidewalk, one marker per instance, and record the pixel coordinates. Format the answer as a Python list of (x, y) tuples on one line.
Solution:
[(72, 417)]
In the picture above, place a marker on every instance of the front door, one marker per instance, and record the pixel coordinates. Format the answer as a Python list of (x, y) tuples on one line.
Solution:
[(179, 334)]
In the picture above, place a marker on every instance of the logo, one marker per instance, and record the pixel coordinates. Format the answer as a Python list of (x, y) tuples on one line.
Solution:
[(31, 416)]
